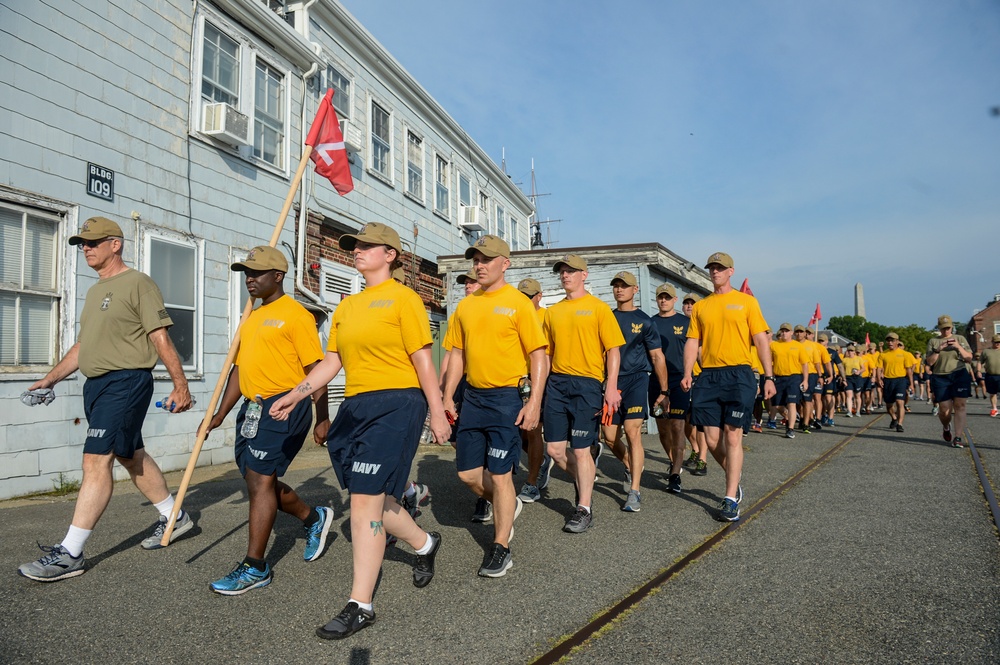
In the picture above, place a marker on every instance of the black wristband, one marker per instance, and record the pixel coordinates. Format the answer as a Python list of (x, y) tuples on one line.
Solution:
[(665, 392), (769, 378)]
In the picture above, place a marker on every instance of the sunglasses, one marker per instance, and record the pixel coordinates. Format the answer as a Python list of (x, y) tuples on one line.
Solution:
[(92, 243)]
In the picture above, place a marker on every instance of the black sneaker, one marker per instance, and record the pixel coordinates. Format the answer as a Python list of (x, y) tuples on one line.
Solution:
[(899, 428), (484, 511), (701, 469), (957, 442), (497, 562), (423, 570), (674, 483), (789, 433), (579, 522), (816, 426), (350, 620), (893, 423)]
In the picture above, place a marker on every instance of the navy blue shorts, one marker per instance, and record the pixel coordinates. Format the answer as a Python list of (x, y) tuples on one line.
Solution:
[(992, 383), (947, 387), (487, 435), (678, 401), (812, 388), (633, 388), (856, 383), (571, 410), (831, 386), (458, 399), (787, 390), (895, 389), (115, 405), (724, 396), (866, 384), (373, 439), (277, 441)]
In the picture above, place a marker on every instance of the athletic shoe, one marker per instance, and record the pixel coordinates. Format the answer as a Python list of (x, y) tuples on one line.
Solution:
[(183, 525), (756, 427), (243, 578), (518, 507), (423, 569), (701, 469), (627, 483), (350, 620), (529, 493), (421, 495), (946, 434), (934, 411), (633, 502), (674, 483), (545, 472), (56, 564), (899, 428), (497, 562), (739, 495), (805, 430), (316, 534), (816, 426), (906, 408), (770, 424), (729, 511), (484, 511), (691, 462), (579, 522), (957, 443), (849, 414), (596, 450), (893, 423), (789, 433), (993, 413)]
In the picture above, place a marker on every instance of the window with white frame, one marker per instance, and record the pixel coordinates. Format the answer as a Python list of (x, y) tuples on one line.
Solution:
[(337, 281), (341, 91), (414, 165), (238, 294), (501, 225), (174, 263), (484, 205), (381, 132), (464, 190), (441, 192), (29, 287), (514, 243), (996, 328), (234, 71)]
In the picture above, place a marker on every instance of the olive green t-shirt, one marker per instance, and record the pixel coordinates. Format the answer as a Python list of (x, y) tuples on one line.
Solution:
[(117, 317), (948, 361), (991, 361)]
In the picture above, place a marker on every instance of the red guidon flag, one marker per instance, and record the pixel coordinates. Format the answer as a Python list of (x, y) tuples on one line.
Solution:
[(329, 153), (867, 340), (816, 316), (746, 287)]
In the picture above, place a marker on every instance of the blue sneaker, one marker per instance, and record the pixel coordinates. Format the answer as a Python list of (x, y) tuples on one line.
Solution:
[(545, 472), (771, 424), (316, 534), (729, 511), (529, 493), (243, 578)]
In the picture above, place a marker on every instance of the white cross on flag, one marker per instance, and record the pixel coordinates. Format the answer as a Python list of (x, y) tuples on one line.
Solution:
[(329, 153)]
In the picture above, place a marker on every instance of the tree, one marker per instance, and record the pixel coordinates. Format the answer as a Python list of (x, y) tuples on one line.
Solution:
[(914, 337)]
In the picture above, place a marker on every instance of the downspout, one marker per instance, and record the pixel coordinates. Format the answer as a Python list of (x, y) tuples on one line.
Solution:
[(300, 252)]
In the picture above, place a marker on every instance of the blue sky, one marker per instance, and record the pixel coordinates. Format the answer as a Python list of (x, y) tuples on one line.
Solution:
[(819, 143)]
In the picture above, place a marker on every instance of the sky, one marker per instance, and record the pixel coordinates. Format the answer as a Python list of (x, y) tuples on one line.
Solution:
[(820, 143)]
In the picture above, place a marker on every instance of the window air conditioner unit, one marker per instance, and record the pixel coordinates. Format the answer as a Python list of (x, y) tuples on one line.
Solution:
[(221, 121), (472, 219), (352, 136)]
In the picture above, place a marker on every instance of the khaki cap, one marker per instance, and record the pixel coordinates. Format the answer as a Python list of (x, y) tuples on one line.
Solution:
[(892, 335), (785, 326), (97, 228), (996, 338), (571, 261), (693, 297), (850, 347), (944, 321), (800, 328), (529, 287), (625, 276), (721, 258), (489, 246), (263, 257), (823, 338), (666, 288), (375, 234), (467, 277)]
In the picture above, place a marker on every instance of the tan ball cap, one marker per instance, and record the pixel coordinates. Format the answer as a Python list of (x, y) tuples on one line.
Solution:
[(263, 257), (97, 228), (529, 287), (944, 321), (489, 246), (666, 288), (625, 276), (375, 234), (571, 261), (721, 258)]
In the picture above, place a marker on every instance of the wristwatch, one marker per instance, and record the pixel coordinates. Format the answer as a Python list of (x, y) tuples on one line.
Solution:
[(665, 392), (769, 378)]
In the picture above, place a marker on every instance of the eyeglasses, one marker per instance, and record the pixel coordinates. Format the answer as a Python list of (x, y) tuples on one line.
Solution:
[(92, 243)]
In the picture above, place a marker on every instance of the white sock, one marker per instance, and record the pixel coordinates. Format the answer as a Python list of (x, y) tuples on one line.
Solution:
[(584, 508), (75, 539), (428, 546), (166, 506), (732, 498), (364, 606), (410, 490)]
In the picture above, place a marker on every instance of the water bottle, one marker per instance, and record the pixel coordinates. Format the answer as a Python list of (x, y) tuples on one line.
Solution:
[(658, 411), (169, 406), (251, 419), (524, 388), (426, 435)]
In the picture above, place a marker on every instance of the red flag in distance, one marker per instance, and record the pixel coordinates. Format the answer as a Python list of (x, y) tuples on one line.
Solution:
[(329, 152), (746, 287)]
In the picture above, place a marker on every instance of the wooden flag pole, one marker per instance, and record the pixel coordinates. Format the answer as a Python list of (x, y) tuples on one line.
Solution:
[(230, 358)]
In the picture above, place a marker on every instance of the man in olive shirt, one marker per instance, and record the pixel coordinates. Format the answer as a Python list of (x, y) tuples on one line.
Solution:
[(123, 329), (948, 356), (990, 361)]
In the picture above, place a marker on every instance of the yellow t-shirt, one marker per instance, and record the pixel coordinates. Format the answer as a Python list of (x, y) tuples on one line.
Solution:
[(540, 313), (725, 324), (375, 332), (788, 357), (872, 359), (579, 332), (277, 341), (855, 363), (894, 363), (497, 330)]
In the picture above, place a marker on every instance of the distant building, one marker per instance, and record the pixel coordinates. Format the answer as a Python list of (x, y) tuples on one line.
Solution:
[(984, 324)]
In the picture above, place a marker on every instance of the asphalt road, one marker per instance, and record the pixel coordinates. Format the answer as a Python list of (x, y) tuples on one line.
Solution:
[(884, 553)]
